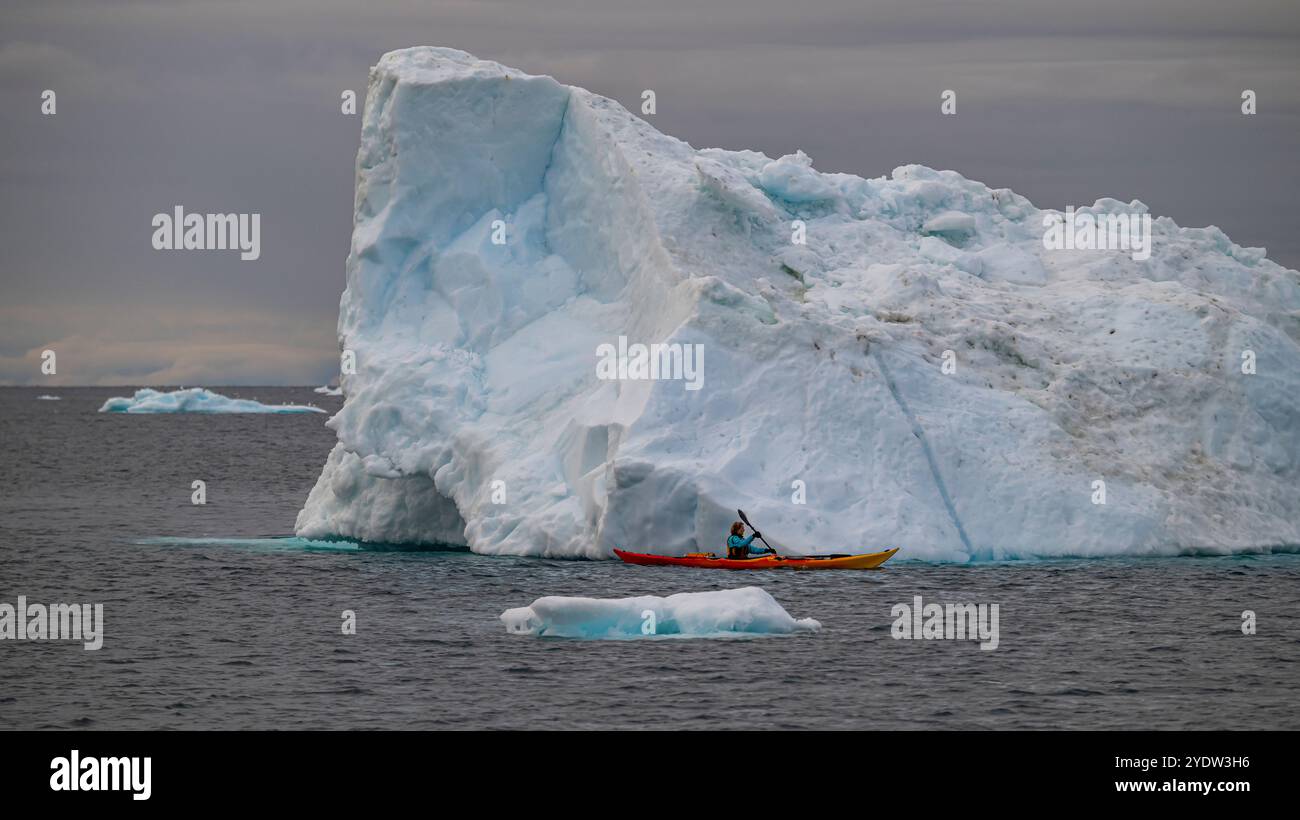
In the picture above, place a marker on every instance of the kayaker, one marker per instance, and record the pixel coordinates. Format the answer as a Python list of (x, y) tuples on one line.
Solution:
[(738, 546)]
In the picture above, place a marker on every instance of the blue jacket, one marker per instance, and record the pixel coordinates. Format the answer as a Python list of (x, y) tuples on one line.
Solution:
[(735, 541)]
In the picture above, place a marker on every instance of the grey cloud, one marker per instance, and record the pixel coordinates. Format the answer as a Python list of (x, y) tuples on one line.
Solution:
[(233, 106)]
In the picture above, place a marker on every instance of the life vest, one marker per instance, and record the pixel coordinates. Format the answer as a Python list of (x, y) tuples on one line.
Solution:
[(736, 553)]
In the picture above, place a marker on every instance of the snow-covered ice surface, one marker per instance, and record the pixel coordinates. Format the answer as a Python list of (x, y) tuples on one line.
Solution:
[(476, 361), (720, 613), (195, 400)]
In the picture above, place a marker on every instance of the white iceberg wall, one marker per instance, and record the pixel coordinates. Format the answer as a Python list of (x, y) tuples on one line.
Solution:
[(349, 502), (493, 330), (822, 362), (719, 613)]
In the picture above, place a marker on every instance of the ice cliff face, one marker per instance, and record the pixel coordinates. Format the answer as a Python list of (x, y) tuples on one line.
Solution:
[(476, 415)]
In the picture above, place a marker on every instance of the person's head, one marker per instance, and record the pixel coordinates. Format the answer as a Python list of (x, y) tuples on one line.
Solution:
[(737, 528)]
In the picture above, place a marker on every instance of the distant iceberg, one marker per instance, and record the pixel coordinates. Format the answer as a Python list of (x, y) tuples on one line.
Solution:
[(904, 355), (326, 390), (49, 398), (195, 400), (721, 613)]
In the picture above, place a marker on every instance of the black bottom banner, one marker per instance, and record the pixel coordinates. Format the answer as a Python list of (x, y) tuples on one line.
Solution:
[(125, 770)]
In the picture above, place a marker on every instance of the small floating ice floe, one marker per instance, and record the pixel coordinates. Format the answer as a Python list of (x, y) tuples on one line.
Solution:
[(723, 613)]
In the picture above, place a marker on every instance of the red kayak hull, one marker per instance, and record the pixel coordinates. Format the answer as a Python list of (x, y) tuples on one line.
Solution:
[(865, 561)]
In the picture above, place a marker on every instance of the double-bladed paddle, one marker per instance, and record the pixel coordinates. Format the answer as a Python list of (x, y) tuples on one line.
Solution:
[(745, 519)]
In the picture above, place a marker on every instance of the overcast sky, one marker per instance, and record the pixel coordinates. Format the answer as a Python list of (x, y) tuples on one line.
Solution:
[(234, 107)]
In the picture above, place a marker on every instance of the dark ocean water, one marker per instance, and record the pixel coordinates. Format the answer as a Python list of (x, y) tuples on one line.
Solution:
[(241, 633)]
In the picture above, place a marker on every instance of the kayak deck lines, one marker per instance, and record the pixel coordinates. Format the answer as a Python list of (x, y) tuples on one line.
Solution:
[(870, 560)]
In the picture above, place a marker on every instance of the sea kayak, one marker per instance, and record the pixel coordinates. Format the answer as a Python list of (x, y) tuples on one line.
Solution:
[(869, 560)]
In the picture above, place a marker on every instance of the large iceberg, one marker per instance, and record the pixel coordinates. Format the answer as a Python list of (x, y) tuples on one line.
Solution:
[(719, 613), (921, 371)]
